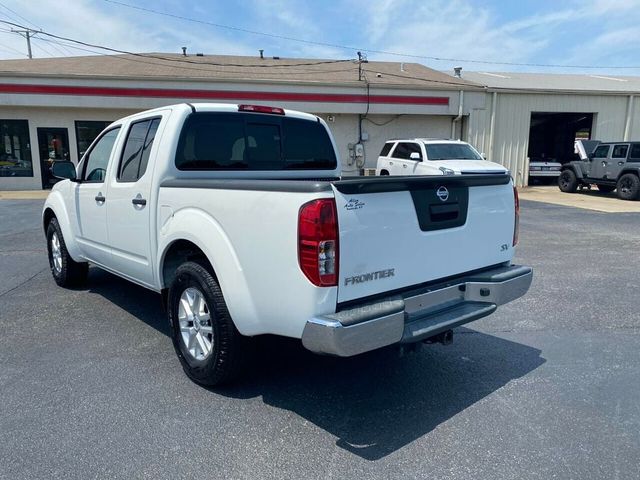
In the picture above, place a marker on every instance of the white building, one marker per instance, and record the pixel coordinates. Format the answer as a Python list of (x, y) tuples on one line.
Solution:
[(534, 115), (53, 108)]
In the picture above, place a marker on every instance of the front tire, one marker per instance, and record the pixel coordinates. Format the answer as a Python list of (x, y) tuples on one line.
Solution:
[(628, 187), (567, 181), (66, 271), (209, 346)]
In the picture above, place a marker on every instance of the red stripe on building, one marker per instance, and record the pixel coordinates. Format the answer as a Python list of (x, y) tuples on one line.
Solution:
[(219, 94)]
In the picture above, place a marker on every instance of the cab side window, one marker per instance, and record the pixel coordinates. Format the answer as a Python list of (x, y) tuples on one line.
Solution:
[(97, 160), (136, 151), (620, 151), (634, 155), (601, 152)]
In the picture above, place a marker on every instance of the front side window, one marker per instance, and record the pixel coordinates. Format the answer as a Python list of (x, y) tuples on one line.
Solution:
[(247, 141), (97, 160), (136, 151), (620, 151), (451, 151), (601, 152), (86, 132), (15, 149), (405, 149)]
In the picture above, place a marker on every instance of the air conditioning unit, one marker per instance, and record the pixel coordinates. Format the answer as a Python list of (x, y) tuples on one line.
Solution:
[(369, 172)]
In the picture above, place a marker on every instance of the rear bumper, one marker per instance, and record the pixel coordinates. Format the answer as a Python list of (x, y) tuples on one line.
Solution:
[(416, 315)]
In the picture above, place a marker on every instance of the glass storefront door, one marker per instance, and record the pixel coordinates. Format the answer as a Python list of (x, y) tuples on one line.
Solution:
[(53, 145)]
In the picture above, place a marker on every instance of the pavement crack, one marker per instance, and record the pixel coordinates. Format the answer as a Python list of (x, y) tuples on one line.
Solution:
[(22, 283)]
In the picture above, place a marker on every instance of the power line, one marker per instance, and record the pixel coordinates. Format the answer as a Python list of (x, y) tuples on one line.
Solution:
[(178, 60), (185, 67), (444, 82), (353, 48)]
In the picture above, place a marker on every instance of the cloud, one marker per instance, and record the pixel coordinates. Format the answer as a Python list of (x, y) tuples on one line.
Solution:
[(574, 32), (113, 26)]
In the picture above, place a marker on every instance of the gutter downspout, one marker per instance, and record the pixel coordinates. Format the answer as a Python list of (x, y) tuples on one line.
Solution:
[(629, 120), (457, 119), (492, 125)]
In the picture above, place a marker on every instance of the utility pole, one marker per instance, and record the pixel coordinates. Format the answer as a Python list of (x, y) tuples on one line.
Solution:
[(28, 34), (362, 58)]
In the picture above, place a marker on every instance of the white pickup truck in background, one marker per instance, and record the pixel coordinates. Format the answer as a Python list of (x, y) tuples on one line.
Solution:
[(237, 215)]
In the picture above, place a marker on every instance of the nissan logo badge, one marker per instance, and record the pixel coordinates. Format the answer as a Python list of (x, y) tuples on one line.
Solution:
[(443, 193)]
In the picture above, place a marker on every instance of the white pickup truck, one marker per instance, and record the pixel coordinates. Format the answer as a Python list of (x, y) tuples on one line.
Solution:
[(237, 215)]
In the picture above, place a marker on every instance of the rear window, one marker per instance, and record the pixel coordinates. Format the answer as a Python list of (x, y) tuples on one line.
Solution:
[(451, 151), (249, 141), (634, 156)]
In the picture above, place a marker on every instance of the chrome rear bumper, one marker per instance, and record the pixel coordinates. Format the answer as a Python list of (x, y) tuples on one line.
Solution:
[(416, 315)]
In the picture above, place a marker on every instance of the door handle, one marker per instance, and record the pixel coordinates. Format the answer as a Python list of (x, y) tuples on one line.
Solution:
[(100, 198), (139, 201), (620, 163), (604, 164), (404, 165)]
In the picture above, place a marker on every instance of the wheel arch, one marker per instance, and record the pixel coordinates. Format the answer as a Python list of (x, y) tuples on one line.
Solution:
[(193, 235), (577, 171), (55, 207), (633, 170)]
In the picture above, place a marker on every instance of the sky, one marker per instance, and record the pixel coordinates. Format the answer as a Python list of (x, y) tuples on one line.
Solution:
[(441, 34)]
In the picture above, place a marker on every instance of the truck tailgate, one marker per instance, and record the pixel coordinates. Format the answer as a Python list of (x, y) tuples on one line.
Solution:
[(397, 232)]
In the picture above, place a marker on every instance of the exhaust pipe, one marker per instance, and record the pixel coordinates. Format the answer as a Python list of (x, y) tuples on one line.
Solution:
[(445, 338)]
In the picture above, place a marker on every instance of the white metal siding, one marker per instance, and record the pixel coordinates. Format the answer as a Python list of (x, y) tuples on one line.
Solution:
[(513, 117)]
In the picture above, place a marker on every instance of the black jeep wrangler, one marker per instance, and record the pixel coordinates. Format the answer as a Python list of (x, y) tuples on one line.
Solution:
[(610, 166)]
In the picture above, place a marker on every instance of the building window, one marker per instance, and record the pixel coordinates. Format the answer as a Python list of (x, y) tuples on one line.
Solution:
[(15, 149), (86, 132)]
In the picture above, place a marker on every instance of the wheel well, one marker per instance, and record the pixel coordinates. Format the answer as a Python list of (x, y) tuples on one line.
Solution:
[(179, 252), (384, 172), (633, 172), (46, 219)]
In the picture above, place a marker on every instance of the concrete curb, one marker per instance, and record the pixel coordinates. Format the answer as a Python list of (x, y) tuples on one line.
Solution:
[(23, 194)]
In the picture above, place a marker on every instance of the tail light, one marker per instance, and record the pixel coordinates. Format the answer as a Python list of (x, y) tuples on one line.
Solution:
[(516, 225), (318, 242)]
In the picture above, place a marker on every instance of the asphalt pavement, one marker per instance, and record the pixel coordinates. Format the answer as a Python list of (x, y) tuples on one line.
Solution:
[(547, 387)]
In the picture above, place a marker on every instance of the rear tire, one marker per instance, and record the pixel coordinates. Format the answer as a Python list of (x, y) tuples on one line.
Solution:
[(628, 187), (66, 271), (210, 348), (606, 188)]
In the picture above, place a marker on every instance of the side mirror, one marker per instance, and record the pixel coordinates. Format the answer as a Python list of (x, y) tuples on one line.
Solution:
[(415, 156), (63, 170)]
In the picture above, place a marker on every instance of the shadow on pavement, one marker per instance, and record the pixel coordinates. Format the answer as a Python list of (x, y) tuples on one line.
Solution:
[(375, 403), (138, 301)]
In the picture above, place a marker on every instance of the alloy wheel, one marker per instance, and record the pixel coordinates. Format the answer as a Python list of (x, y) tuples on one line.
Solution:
[(196, 329)]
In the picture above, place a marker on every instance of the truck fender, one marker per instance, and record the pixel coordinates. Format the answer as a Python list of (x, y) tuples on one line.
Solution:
[(55, 203), (575, 169), (201, 229), (634, 170)]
